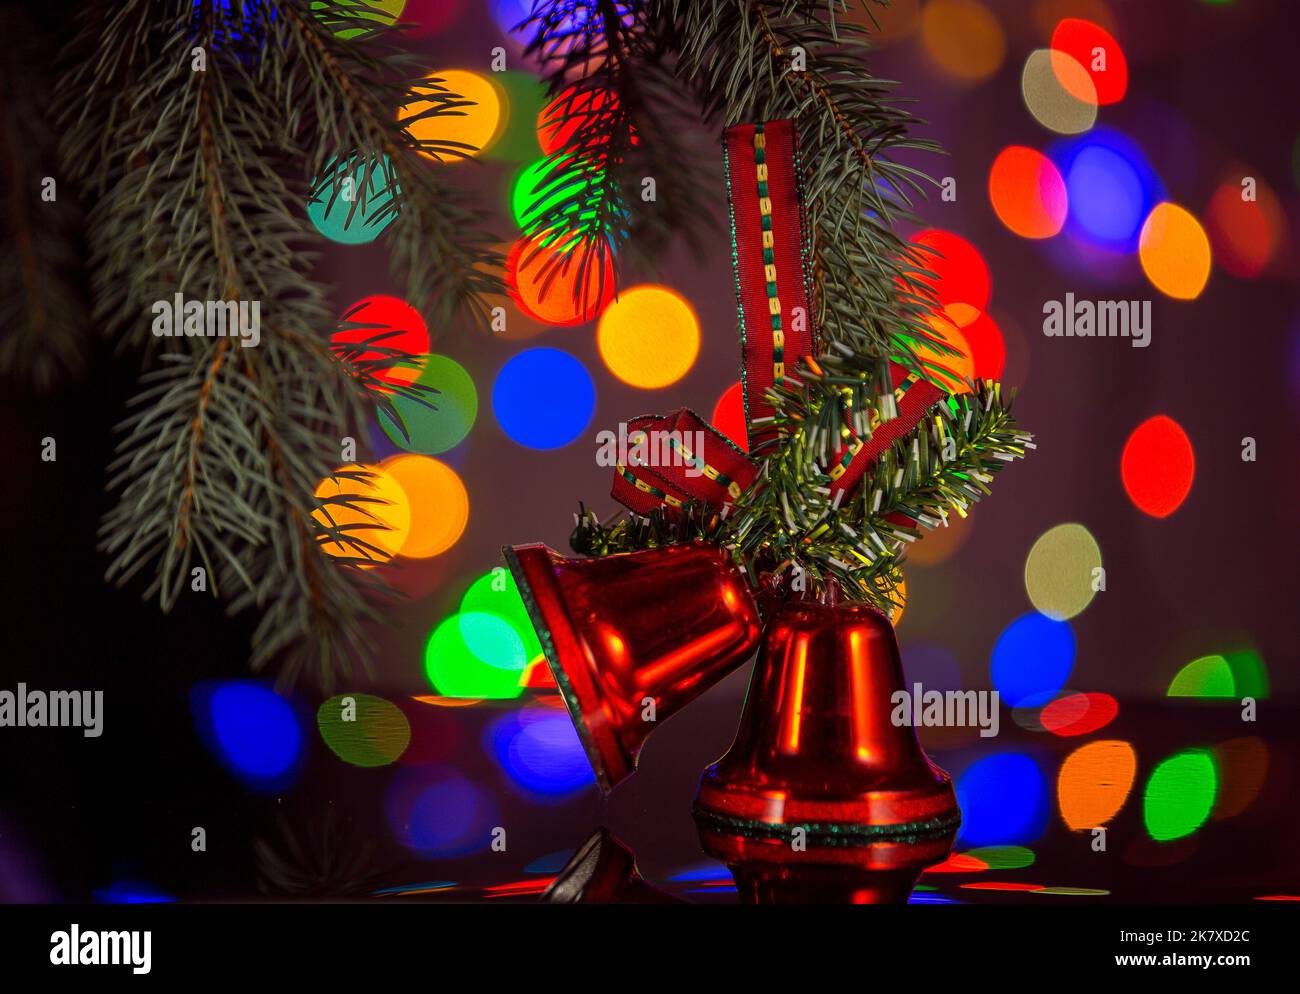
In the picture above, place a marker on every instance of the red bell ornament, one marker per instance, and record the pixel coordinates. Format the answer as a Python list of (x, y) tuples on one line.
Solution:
[(817, 750), (603, 871), (633, 637), (771, 871)]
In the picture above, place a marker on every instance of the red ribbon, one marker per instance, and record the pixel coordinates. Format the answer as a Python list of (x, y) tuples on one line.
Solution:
[(770, 248), (769, 242), (679, 458)]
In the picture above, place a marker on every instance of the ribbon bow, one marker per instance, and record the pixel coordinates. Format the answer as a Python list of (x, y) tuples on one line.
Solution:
[(770, 249)]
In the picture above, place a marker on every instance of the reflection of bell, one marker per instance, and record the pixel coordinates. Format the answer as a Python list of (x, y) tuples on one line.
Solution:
[(603, 871), (817, 760), (772, 871), (633, 637)]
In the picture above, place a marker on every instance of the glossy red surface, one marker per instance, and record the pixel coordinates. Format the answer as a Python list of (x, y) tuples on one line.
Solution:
[(603, 871), (770, 871), (816, 743), (633, 638)]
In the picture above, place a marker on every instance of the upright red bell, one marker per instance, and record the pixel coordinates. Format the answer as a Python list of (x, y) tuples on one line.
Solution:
[(817, 751), (633, 637), (772, 871)]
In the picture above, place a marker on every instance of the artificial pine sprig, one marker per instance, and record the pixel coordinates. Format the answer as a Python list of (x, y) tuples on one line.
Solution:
[(627, 177), (43, 327), (195, 128), (788, 523)]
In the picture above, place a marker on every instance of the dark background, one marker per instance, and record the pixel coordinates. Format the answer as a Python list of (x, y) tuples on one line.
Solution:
[(1211, 95)]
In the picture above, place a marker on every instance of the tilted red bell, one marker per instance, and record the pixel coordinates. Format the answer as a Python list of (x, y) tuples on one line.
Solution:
[(633, 637), (817, 750)]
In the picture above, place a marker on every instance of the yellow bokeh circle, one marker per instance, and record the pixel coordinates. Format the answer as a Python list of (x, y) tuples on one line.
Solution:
[(1061, 575), (1059, 92), (376, 520), (649, 337), (438, 500), (1175, 252), (477, 126)]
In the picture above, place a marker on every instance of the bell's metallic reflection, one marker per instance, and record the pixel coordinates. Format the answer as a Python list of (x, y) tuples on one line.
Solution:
[(632, 638)]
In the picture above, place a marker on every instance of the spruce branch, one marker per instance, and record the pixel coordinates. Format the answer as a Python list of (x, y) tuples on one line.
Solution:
[(42, 299), (621, 112), (355, 100), (225, 444)]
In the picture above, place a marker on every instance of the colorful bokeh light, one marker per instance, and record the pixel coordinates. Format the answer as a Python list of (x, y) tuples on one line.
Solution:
[(384, 322), (1032, 660), (1054, 104), (1158, 466), (1246, 234), (496, 593), (1061, 575), (570, 112), (460, 129), (1180, 795), (494, 641), (255, 732), (729, 415), (1094, 782), (1002, 857), (374, 518), (131, 892), (363, 730), (649, 337), (543, 186), (1111, 187), (1175, 252), (433, 423), (454, 667), (960, 274), (438, 501), (983, 340), (1208, 676), (539, 750), (954, 370), (1078, 714), (352, 201), (556, 285), (1027, 192), (1092, 47), (1003, 800), (382, 12), (543, 398), (963, 38)]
